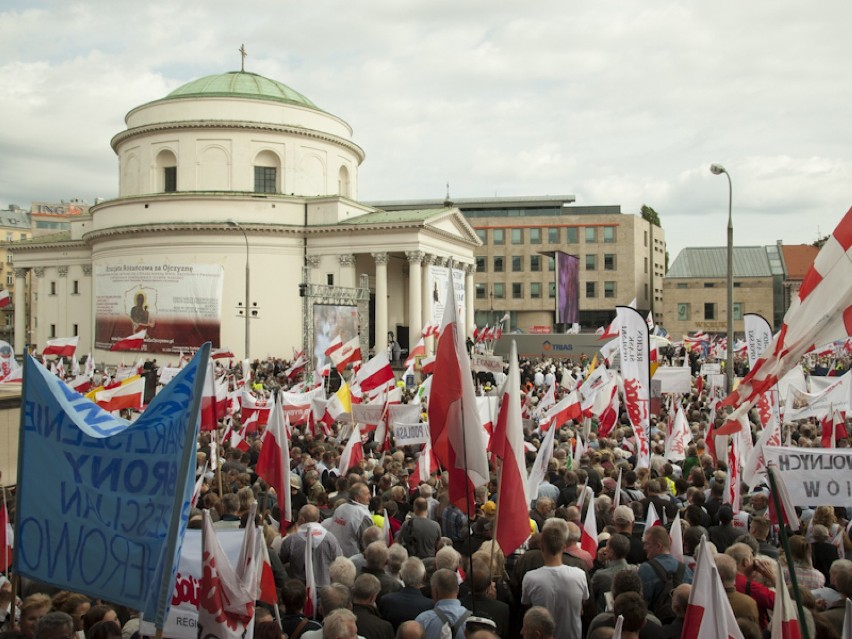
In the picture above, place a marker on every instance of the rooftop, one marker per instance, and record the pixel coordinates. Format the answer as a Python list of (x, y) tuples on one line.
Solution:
[(798, 258), (712, 262), (241, 84)]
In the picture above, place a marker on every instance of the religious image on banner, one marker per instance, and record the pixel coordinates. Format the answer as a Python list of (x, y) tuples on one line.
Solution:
[(438, 276), (636, 372), (334, 326), (177, 305), (8, 363)]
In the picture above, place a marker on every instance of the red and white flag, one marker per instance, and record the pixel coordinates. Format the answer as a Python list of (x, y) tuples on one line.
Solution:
[(82, 384), (273, 463), (542, 459), (789, 515), (507, 444), (333, 345), (568, 407), (636, 371), (253, 409), (227, 594), (310, 608), (214, 399), (61, 346), (297, 367), (457, 438), (426, 465), (131, 342), (820, 313), (652, 518), (196, 492), (833, 428), (5, 298), (616, 501), (419, 350), (352, 453), (6, 534), (376, 373), (785, 620), (427, 365), (709, 614), (221, 353), (349, 352), (267, 592), (128, 395), (589, 532)]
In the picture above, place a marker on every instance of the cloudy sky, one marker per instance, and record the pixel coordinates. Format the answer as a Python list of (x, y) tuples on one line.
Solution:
[(614, 102)]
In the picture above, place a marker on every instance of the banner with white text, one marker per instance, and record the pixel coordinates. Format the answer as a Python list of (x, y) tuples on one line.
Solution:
[(179, 305)]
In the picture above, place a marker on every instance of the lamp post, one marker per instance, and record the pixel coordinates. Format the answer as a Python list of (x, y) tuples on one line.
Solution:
[(718, 169), (237, 225)]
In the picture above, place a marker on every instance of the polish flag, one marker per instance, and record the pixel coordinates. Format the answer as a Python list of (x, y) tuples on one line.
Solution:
[(237, 439), (567, 408), (579, 451), (387, 534), (789, 514), (376, 373), (652, 519), (676, 534), (5, 298), (785, 620), (513, 527), (419, 349), (427, 463), (221, 353), (833, 428), (820, 314), (251, 406), (273, 463), (350, 352), (334, 345), (352, 453), (251, 423), (457, 437), (589, 532), (128, 395), (679, 439), (267, 592), (609, 415), (296, 367), (427, 365), (6, 535), (431, 329), (709, 614), (616, 502), (542, 459), (131, 343), (214, 399), (81, 384), (61, 346)]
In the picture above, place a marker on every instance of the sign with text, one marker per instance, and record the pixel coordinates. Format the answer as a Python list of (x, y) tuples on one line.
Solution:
[(713, 368), (814, 476), (179, 305), (411, 434), (674, 379), (438, 276), (367, 413), (486, 363), (104, 502)]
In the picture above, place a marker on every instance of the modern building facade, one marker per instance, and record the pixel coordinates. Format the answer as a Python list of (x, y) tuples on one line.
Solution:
[(695, 289), (622, 257), (237, 217)]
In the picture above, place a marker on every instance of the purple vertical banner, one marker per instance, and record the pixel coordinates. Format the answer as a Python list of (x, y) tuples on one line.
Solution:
[(636, 371), (567, 288)]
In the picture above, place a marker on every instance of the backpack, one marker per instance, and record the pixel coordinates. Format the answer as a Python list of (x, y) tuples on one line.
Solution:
[(661, 606), (449, 631)]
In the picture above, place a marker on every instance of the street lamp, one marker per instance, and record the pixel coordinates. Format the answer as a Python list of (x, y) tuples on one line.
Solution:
[(237, 225), (718, 169)]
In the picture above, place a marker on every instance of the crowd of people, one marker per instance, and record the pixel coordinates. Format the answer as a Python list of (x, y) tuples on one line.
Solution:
[(440, 573)]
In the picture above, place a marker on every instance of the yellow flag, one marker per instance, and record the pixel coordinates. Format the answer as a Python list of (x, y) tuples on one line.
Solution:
[(345, 397)]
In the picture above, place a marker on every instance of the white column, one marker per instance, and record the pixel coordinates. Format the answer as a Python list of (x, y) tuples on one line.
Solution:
[(347, 270), (415, 296), (20, 310), (469, 294), (312, 262), (428, 260), (381, 344)]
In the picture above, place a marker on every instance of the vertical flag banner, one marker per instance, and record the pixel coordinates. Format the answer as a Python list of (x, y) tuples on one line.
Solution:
[(103, 502), (636, 371)]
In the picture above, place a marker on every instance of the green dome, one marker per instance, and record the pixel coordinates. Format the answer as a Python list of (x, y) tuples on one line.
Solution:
[(241, 84)]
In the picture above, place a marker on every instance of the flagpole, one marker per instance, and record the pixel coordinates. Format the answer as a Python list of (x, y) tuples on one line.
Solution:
[(785, 543)]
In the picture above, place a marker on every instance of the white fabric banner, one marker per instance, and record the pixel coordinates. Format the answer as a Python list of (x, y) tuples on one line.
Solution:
[(674, 379), (758, 336), (411, 434), (801, 405), (636, 371), (814, 476)]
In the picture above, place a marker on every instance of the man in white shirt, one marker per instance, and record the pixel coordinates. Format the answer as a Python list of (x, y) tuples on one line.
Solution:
[(559, 588), (350, 520)]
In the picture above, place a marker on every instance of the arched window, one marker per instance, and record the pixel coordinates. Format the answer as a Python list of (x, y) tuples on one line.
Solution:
[(166, 172), (266, 172), (343, 182)]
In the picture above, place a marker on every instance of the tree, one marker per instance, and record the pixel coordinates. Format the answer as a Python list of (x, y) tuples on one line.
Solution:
[(820, 241), (650, 215)]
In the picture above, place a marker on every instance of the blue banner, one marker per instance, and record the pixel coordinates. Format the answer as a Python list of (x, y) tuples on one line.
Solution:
[(103, 502)]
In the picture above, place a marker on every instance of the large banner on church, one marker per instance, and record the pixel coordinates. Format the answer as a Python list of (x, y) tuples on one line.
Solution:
[(438, 276), (179, 305)]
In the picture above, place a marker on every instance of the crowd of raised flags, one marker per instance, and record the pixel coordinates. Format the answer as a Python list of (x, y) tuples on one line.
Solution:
[(506, 440)]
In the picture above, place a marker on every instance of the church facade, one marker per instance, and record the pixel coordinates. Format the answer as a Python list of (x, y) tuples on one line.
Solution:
[(238, 221)]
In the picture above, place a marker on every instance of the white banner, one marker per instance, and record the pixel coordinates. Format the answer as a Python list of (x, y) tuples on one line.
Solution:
[(636, 370), (183, 614), (674, 379), (411, 434), (758, 334), (486, 363), (599, 378), (801, 405), (404, 413), (367, 413), (711, 369), (438, 276), (814, 476)]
